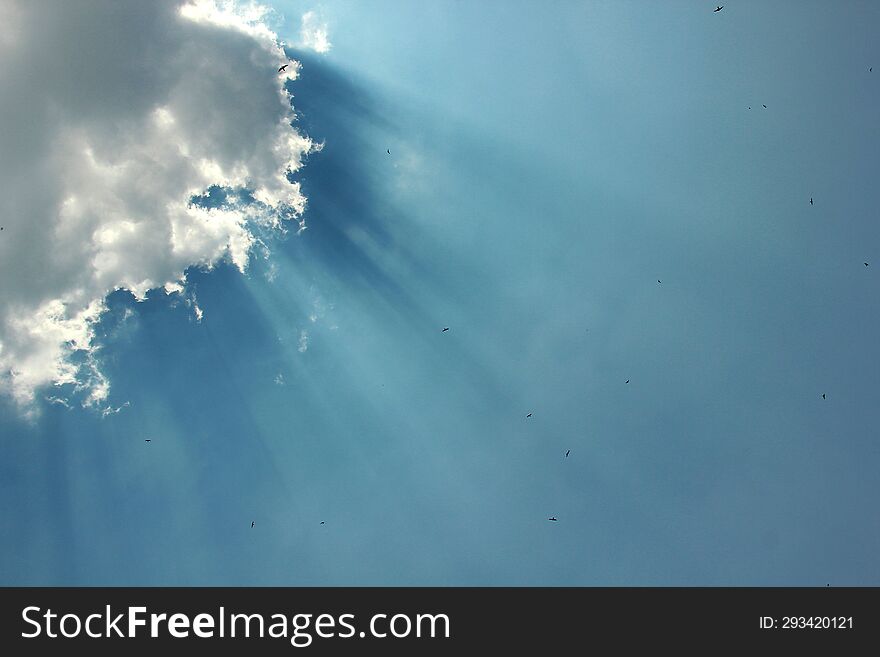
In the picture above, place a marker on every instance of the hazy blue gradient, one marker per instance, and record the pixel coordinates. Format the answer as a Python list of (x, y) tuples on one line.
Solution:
[(549, 163)]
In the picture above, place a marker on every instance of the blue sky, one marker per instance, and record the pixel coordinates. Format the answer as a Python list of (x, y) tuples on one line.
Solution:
[(549, 163)]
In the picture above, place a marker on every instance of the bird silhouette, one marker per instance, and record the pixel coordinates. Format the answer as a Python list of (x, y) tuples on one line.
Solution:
[(146, 440), (445, 329), (866, 264), (823, 395), (717, 9), (627, 380), (529, 415), (811, 200), (764, 106), (552, 518), (322, 522), (566, 453), (252, 525), (283, 67), (388, 151)]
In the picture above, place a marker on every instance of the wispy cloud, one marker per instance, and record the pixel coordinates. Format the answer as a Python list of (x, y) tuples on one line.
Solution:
[(61, 401), (109, 410), (313, 33)]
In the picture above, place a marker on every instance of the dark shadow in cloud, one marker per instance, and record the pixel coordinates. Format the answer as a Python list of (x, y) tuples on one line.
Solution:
[(349, 185), (343, 182), (171, 353), (327, 97), (201, 375)]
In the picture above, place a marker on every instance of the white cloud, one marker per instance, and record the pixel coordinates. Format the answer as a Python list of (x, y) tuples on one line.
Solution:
[(198, 313), (60, 401), (313, 33), (109, 410), (116, 115)]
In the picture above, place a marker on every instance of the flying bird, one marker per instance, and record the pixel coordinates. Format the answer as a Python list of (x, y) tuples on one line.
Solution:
[(283, 67), (529, 415), (811, 200), (765, 107), (252, 525), (566, 453), (627, 380), (445, 329), (388, 151), (823, 395), (866, 264), (146, 440), (322, 522), (717, 9), (659, 281), (552, 518)]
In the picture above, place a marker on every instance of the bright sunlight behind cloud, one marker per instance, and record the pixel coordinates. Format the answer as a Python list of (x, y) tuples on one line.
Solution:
[(116, 116)]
